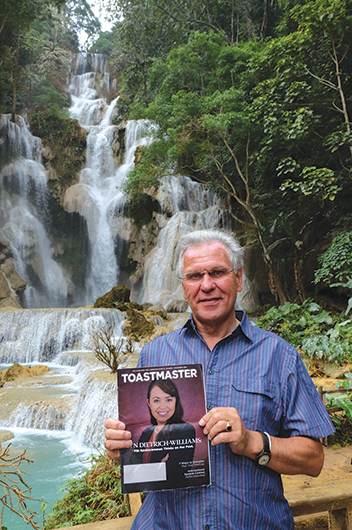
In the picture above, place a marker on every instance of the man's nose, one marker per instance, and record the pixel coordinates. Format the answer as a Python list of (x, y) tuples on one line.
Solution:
[(207, 282)]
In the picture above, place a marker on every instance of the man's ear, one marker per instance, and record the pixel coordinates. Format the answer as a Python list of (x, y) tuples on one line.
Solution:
[(239, 276)]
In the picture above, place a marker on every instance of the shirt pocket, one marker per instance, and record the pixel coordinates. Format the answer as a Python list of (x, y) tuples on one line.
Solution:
[(257, 402)]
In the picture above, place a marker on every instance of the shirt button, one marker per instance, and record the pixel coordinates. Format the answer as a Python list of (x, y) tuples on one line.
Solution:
[(208, 406), (211, 372)]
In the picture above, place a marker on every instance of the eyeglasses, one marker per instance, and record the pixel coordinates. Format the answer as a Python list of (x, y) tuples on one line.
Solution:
[(197, 276)]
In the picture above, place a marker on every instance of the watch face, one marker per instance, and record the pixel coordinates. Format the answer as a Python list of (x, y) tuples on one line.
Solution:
[(264, 460)]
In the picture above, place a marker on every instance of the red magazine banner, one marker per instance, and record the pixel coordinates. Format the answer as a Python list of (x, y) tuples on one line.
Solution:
[(161, 406)]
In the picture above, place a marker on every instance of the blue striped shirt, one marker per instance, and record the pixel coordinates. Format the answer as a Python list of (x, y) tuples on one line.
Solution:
[(263, 377)]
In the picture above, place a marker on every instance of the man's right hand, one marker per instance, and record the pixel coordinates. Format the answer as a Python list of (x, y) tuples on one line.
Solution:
[(116, 438)]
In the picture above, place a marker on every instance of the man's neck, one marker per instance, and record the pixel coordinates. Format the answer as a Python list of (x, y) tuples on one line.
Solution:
[(214, 332)]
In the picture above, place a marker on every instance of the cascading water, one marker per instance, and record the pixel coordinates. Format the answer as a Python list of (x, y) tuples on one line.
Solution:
[(98, 196), (63, 411), (24, 216), (190, 207), (63, 340)]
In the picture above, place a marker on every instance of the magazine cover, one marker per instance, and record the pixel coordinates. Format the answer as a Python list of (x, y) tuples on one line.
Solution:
[(162, 406)]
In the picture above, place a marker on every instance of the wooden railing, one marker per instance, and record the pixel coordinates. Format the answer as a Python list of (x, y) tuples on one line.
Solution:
[(335, 499)]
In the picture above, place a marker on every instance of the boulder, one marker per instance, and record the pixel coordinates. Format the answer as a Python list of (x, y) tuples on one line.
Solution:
[(177, 306), (118, 295), (157, 308), (17, 371), (137, 326), (7, 296), (5, 291), (17, 283)]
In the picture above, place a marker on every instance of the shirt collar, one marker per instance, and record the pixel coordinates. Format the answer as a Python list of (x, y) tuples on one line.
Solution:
[(244, 326)]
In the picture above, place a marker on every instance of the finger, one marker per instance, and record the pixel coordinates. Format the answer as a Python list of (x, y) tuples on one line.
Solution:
[(220, 415), (220, 427), (112, 423)]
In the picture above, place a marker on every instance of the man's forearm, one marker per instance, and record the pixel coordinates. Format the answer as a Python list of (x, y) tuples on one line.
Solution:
[(290, 456)]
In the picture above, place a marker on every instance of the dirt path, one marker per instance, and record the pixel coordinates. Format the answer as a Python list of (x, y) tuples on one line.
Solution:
[(337, 468)]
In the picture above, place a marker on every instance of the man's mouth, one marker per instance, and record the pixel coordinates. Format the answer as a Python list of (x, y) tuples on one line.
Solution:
[(209, 300)]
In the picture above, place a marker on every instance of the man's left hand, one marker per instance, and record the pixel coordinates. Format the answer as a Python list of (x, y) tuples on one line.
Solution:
[(291, 456), (241, 440)]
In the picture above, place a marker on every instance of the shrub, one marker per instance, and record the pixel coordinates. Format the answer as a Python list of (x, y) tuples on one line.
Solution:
[(95, 495), (336, 262), (313, 329)]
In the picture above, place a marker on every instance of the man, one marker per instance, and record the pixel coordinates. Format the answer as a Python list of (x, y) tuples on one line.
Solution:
[(264, 415)]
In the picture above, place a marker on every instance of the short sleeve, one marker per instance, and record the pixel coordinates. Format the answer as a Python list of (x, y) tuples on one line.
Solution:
[(305, 413)]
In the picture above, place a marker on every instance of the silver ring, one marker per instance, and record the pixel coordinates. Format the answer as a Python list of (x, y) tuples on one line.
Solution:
[(228, 427)]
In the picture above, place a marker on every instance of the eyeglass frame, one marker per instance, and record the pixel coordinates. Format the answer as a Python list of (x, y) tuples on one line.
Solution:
[(206, 272)]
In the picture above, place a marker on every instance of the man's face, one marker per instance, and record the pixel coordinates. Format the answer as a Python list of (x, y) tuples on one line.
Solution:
[(211, 301)]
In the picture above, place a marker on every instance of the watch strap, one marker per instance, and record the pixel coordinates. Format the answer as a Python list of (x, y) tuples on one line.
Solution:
[(263, 458)]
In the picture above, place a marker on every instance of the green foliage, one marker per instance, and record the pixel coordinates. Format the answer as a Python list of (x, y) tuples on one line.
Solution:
[(150, 166), (95, 495), (234, 117), (317, 182), (341, 422), (325, 348), (336, 262), (65, 137), (48, 96), (312, 329), (146, 32), (343, 401), (103, 44)]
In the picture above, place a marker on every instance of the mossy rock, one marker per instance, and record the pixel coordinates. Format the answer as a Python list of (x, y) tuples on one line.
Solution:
[(137, 326), (116, 298)]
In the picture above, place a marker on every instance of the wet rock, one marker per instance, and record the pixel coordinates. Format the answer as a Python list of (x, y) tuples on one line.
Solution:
[(17, 283), (137, 326), (157, 308), (51, 350), (7, 296), (18, 371), (118, 295), (177, 306)]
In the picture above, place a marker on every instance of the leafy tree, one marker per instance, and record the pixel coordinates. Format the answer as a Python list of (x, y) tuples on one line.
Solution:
[(78, 17), (147, 31), (16, 19), (201, 106), (254, 124), (330, 23), (104, 44)]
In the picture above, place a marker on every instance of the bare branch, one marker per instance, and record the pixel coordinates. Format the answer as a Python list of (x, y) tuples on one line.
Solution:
[(107, 348), (14, 498), (322, 80)]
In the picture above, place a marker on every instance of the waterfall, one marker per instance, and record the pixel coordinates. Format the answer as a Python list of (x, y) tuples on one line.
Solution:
[(98, 196), (42, 335), (78, 393), (24, 216)]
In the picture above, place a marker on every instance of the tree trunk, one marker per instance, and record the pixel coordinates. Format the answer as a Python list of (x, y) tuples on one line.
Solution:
[(298, 270)]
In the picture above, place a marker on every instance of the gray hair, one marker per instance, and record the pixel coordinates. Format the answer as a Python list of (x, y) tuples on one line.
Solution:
[(201, 237)]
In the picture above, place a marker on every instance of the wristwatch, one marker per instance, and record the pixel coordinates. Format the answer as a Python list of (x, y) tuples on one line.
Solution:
[(263, 458)]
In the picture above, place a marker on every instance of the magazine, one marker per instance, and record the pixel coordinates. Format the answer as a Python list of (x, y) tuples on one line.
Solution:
[(162, 406)]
